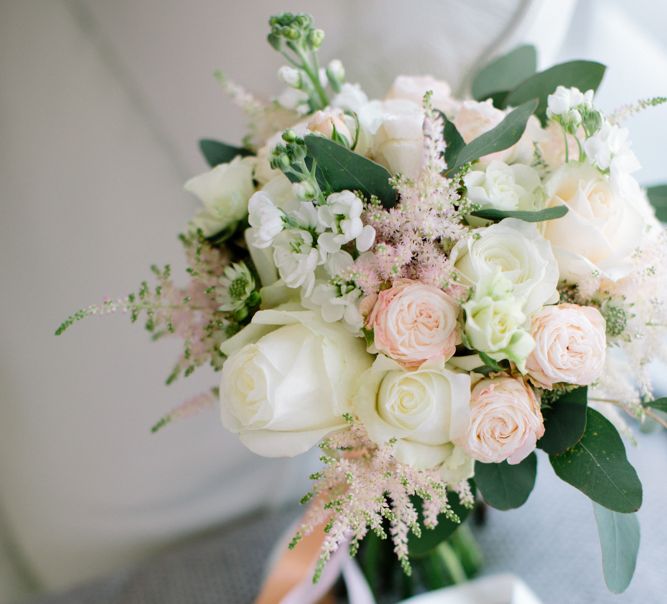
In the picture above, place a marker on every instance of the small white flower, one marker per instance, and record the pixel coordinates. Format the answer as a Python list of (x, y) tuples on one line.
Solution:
[(342, 215), (237, 286), (265, 219), (609, 149), (350, 98), (296, 259), (566, 103), (294, 99), (504, 187), (290, 75), (338, 303)]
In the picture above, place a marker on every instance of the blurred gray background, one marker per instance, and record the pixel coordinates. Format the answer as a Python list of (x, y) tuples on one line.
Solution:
[(101, 105)]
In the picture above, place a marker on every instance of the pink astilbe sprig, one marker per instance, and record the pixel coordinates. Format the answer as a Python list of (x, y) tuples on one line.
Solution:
[(189, 408), (190, 313), (361, 487), (413, 237)]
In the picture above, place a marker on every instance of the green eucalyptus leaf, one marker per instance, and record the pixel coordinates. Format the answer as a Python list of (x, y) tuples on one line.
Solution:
[(657, 195), (526, 215), (660, 404), (619, 540), (343, 169), (217, 153), (490, 362), (506, 486), (431, 538), (453, 140), (564, 422), (503, 136), (597, 466), (584, 75), (505, 73)]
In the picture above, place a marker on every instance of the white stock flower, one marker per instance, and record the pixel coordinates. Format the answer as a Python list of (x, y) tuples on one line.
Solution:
[(342, 216), (265, 219), (224, 191), (566, 104), (504, 187), (424, 410), (609, 149), (290, 76), (338, 302), (350, 98), (602, 228), (296, 259), (522, 256), (288, 380)]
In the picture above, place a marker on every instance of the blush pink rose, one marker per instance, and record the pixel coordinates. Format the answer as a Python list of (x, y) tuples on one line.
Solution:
[(570, 345), (413, 322), (505, 421)]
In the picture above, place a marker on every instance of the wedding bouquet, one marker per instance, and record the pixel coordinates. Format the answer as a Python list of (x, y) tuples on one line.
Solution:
[(430, 289)]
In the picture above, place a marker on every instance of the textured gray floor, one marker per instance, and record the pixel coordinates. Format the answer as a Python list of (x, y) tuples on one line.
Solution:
[(551, 543)]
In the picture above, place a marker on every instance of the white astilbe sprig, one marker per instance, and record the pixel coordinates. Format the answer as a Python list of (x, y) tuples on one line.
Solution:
[(626, 111), (361, 486)]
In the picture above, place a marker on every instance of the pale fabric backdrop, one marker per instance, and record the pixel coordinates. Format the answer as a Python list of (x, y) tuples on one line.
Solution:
[(101, 104)]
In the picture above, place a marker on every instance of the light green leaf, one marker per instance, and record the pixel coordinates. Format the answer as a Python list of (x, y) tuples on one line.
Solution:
[(503, 136), (564, 422), (453, 140), (528, 216), (619, 541), (506, 486), (657, 195), (505, 73), (597, 466), (585, 75), (343, 169), (217, 153)]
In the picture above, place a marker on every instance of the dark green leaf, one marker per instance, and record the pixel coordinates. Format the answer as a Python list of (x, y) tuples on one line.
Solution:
[(503, 136), (660, 404), (598, 467), (344, 169), (536, 216), (657, 195), (619, 541), (505, 72), (564, 422), (506, 486), (431, 538), (217, 153), (585, 75), (453, 140)]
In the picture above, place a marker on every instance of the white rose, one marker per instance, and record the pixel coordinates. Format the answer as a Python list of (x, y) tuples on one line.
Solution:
[(392, 131), (224, 191), (296, 259), (265, 219), (413, 88), (504, 187), (521, 255), (601, 229), (288, 381), (494, 325), (424, 410)]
